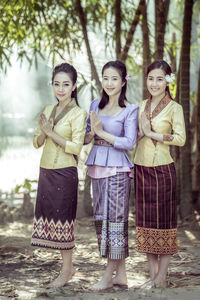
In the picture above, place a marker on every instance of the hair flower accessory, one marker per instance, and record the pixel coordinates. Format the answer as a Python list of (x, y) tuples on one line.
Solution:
[(170, 78), (127, 77)]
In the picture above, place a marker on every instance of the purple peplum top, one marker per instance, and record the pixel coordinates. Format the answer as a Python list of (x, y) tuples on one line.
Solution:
[(124, 127)]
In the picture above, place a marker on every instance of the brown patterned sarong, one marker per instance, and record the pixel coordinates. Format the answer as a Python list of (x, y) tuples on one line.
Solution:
[(156, 212), (111, 208), (55, 210)]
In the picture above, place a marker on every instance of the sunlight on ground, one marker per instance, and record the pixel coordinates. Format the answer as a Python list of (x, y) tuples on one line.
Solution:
[(135, 278), (17, 228), (26, 294), (190, 235)]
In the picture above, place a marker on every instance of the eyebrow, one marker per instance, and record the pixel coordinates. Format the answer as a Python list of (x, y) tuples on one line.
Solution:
[(114, 76), (62, 81), (155, 76)]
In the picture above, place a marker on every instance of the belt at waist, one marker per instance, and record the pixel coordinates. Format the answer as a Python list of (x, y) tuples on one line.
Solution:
[(102, 143)]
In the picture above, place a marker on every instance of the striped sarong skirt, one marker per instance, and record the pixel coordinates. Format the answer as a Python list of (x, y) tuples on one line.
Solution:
[(55, 210), (111, 208), (156, 211)]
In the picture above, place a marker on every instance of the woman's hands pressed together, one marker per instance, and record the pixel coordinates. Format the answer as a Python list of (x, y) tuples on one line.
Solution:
[(45, 125), (145, 129), (145, 125), (97, 128), (96, 124)]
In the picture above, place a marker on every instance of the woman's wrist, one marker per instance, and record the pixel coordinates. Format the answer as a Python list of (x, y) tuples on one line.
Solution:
[(99, 132), (155, 136), (50, 134), (150, 134), (43, 134)]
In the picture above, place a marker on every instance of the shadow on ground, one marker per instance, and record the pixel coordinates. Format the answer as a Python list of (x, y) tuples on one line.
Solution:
[(25, 270)]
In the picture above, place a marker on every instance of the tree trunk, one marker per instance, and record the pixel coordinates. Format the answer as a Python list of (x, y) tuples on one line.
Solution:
[(172, 53), (118, 28), (175, 151), (161, 13), (83, 22), (186, 208), (131, 32), (87, 196), (146, 49), (198, 141)]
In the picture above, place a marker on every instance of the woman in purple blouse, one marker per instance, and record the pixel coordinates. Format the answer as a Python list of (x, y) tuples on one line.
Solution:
[(113, 125)]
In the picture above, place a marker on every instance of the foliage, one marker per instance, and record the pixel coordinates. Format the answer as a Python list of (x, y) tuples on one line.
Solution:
[(25, 187), (53, 27), (38, 27)]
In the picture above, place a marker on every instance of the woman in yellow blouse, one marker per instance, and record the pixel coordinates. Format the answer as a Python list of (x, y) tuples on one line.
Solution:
[(61, 130), (161, 123)]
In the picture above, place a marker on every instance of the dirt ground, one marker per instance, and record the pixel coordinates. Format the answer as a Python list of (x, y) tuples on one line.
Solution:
[(24, 270)]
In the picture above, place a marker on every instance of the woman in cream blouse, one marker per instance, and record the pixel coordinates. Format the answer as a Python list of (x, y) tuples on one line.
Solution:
[(161, 123), (61, 130)]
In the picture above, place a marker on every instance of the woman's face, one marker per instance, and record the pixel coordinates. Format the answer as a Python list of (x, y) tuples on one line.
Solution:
[(63, 86), (156, 83), (112, 82)]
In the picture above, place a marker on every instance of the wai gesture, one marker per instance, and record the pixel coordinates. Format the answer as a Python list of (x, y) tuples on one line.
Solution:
[(45, 125)]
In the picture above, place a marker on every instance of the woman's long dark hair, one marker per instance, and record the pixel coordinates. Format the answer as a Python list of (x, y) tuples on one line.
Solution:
[(163, 65), (71, 71), (121, 69)]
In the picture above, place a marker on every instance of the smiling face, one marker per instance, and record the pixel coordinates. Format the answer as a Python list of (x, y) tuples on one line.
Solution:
[(156, 83), (63, 87), (112, 82)]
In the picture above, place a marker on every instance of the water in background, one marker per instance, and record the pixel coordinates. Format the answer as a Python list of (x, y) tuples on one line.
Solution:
[(18, 160)]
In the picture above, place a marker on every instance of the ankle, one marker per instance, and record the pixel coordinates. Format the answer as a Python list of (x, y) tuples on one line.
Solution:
[(65, 271), (160, 278), (107, 278)]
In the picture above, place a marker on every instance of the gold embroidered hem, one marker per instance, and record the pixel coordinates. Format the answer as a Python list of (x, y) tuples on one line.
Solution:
[(156, 241), (53, 235)]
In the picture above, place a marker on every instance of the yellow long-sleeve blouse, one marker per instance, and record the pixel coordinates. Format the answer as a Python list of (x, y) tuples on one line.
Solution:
[(72, 128), (167, 119)]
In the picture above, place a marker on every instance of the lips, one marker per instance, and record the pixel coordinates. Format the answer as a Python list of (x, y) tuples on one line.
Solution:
[(110, 89), (61, 95), (155, 90)]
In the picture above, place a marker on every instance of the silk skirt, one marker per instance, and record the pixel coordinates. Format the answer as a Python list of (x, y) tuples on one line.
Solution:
[(111, 208), (55, 210), (156, 211)]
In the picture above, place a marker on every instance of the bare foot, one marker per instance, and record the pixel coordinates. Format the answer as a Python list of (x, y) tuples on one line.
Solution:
[(160, 281), (62, 279), (160, 284), (119, 281), (102, 285)]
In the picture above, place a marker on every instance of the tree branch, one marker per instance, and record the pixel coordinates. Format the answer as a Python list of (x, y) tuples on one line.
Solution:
[(83, 22), (118, 27), (132, 29)]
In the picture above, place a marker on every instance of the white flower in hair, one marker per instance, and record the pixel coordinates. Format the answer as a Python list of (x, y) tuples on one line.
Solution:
[(127, 77), (170, 78)]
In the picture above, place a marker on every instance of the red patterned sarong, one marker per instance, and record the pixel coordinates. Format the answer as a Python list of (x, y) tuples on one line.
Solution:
[(156, 212)]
